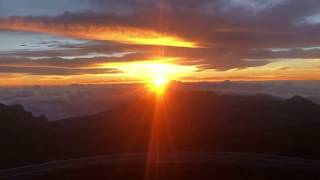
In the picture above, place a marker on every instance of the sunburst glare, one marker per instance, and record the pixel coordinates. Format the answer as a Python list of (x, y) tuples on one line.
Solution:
[(156, 74)]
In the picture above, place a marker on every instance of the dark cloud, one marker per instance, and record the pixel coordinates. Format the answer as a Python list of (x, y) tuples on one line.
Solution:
[(289, 53), (73, 50), (55, 70), (62, 66), (229, 31)]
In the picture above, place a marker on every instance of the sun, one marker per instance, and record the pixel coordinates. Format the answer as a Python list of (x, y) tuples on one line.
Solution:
[(155, 74), (160, 81)]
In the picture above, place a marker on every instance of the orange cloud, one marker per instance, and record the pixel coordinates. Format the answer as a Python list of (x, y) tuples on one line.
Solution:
[(118, 33)]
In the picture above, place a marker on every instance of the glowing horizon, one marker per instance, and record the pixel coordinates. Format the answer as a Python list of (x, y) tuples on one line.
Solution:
[(146, 71)]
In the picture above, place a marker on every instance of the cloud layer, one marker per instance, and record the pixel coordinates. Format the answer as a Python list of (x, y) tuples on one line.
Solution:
[(75, 100)]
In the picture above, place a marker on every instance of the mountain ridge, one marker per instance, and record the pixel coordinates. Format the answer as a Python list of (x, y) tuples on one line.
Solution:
[(192, 120)]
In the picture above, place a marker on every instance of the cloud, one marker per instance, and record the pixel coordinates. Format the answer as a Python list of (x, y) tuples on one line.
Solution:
[(282, 89), (70, 57), (227, 32), (55, 70), (58, 102), (67, 101), (69, 25), (62, 66)]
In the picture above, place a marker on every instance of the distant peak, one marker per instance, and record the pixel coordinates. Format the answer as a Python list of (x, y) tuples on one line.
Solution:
[(298, 100), (17, 113)]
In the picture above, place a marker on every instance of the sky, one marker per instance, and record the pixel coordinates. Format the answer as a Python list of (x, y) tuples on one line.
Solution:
[(58, 42)]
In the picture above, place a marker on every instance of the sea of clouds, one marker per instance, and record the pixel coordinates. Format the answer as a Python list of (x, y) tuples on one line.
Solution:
[(58, 102)]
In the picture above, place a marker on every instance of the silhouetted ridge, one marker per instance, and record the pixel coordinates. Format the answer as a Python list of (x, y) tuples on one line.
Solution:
[(194, 121), (17, 114), (23, 137), (298, 100)]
